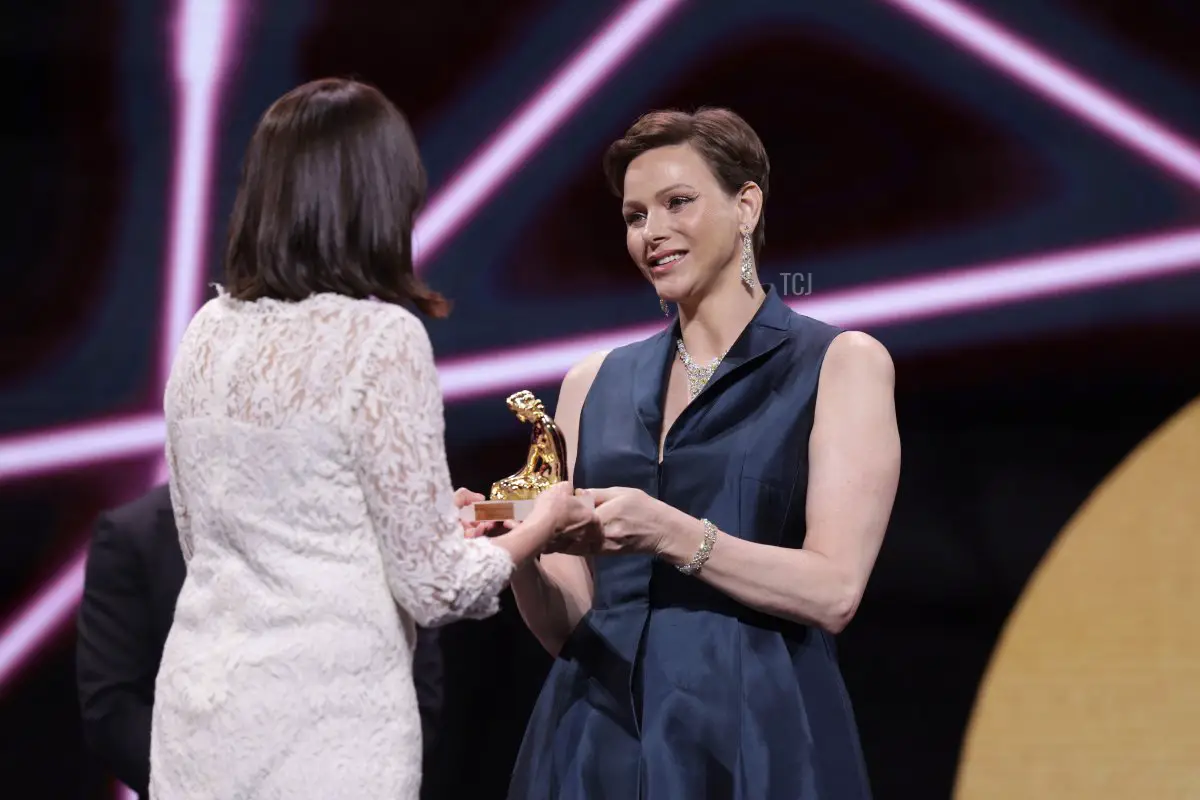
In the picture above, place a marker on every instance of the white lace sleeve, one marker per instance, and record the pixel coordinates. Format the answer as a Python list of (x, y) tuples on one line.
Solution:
[(398, 428), (183, 521), (173, 406)]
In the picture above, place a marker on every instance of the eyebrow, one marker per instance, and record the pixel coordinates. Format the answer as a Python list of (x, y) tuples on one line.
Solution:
[(667, 190), (673, 187)]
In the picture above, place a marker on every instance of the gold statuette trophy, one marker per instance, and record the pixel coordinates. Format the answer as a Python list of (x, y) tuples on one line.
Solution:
[(513, 497)]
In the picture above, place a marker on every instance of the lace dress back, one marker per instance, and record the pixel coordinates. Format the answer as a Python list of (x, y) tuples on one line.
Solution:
[(308, 476)]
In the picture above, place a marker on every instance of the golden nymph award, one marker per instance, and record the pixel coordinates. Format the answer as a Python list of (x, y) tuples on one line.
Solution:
[(546, 464)]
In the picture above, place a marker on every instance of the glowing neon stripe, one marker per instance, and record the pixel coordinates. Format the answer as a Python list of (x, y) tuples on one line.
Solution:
[(900, 301), (204, 35), (484, 172), (204, 30), (37, 453), (204, 38), (41, 452), (44, 614), (1053, 80), (876, 305), (989, 42)]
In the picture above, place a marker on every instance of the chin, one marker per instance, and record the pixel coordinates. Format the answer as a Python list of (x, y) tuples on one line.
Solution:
[(672, 289)]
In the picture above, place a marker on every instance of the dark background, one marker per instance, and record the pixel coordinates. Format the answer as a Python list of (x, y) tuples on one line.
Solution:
[(895, 153)]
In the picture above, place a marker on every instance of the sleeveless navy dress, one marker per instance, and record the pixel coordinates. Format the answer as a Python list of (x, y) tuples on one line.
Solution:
[(669, 689)]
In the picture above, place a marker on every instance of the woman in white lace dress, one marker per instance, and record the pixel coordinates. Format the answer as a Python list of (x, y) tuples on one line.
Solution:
[(309, 478)]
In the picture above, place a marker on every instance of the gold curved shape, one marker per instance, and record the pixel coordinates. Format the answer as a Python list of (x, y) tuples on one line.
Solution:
[(1093, 690), (546, 461)]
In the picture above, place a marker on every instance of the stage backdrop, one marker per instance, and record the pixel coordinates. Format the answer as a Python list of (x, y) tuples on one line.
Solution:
[(1005, 193)]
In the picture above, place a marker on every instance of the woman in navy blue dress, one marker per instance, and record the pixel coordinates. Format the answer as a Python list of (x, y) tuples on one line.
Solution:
[(744, 463)]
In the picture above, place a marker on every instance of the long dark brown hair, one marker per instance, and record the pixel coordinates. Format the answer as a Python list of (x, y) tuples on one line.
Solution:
[(331, 185)]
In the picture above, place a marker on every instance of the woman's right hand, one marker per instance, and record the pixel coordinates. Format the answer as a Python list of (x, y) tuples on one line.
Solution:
[(563, 510)]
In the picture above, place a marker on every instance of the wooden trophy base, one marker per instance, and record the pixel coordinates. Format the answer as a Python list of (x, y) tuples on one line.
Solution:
[(496, 510)]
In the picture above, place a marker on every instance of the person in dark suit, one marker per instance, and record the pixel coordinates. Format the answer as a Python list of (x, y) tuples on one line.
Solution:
[(135, 570)]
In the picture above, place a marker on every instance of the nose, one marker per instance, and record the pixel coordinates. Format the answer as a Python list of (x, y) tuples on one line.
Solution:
[(653, 233)]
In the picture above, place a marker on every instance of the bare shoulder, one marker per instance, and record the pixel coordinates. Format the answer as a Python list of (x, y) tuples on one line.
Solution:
[(580, 376), (856, 391), (858, 357)]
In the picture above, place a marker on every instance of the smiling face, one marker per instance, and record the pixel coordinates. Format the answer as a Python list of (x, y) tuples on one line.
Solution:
[(683, 230)]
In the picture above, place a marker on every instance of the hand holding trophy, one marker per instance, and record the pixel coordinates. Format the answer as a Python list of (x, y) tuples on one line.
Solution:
[(513, 498)]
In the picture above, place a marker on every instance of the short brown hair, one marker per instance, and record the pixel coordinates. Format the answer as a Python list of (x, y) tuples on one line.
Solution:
[(727, 143), (330, 188)]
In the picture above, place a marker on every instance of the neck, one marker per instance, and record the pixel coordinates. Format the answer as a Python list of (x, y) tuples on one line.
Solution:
[(711, 322)]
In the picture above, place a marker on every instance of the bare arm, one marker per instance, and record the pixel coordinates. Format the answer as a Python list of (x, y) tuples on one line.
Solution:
[(554, 591), (854, 468)]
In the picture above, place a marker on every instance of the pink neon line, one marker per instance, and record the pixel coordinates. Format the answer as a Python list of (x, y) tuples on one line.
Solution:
[(1058, 83), (1005, 282), (882, 304), (501, 157), (947, 293), (40, 452), (204, 41), (942, 294), (204, 32), (198, 72), (43, 615), (988, 41), (204, 35)]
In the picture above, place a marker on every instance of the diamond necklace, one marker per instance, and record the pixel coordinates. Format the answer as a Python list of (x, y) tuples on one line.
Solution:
[(697, 374)]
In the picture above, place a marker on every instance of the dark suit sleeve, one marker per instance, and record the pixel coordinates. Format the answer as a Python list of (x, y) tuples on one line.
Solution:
[(428, 677), (115, 657)]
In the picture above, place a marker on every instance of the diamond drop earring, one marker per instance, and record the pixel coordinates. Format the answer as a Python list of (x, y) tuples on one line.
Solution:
[(747, 260), (663, 305)]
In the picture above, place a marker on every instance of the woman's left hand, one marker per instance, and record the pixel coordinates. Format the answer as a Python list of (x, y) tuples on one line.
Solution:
[(631, 520)]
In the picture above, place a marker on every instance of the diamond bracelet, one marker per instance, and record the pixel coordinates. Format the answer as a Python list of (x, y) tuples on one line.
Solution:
[(698, 560)]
